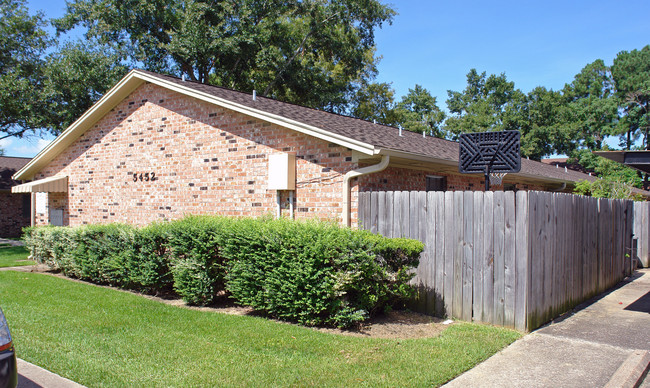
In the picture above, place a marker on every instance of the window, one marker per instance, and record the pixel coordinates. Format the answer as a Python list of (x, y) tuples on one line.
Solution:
[(436, 183), (27, 205)]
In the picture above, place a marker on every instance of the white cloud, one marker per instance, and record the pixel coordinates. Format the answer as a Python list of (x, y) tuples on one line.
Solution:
[(42, 143), (27, 147), (5, 143)]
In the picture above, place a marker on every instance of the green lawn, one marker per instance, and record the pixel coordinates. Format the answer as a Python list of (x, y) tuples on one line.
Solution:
[(14, 256), (104, 337)]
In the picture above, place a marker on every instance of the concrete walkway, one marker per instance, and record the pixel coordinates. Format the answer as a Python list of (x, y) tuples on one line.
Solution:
[(603, 343), (16, 243), (32, 376)]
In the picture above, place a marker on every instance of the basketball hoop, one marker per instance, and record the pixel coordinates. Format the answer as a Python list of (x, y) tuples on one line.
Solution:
[(496, 178), (492, 153)]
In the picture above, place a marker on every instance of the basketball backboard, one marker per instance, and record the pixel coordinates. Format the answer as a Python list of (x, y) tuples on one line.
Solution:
[(489, 152)]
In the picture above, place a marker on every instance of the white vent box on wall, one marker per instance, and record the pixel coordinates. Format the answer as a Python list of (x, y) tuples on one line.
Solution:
[(282, 172)]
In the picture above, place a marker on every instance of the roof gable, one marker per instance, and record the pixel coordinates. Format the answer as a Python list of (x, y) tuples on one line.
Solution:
[(360, 135)]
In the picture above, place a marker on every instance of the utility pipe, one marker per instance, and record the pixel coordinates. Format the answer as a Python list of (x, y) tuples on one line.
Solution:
[(291, 205), (385, 159)]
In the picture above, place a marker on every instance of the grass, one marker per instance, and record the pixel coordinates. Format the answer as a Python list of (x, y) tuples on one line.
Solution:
[(14, 256), (101, 337)]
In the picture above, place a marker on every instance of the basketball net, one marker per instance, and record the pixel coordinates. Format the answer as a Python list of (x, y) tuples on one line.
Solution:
[(496, 178)]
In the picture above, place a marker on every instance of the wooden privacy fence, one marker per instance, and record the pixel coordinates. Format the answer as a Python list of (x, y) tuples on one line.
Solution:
[(642, 231), (515, 260)]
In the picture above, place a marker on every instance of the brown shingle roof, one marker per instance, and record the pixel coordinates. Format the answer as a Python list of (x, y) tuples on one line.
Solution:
[(380, 136), (8, 167)]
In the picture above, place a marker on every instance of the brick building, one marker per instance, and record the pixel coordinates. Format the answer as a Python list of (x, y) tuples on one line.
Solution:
[(157, 147), (14, 208)]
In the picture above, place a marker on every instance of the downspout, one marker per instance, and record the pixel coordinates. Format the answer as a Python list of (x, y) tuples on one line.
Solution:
[(385, 159)]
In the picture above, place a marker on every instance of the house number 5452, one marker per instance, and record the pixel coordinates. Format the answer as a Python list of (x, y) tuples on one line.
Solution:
[(144, 176)]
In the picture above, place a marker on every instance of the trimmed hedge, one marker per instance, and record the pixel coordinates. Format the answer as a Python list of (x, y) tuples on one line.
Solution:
[(313, 273)]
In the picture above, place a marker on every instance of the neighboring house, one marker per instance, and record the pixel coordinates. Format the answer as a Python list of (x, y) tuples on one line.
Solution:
[(563, 163), (14, 208), (157, 147)]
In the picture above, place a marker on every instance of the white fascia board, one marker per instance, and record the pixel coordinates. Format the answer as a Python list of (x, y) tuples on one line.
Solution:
[(268, 117), (416, 157), (113, 97)]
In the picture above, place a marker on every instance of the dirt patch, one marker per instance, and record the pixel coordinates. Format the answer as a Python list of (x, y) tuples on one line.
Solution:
[(399, 324)]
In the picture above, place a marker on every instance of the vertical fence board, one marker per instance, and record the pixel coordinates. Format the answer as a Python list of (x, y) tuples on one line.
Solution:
[(579, 209), (458, 255), (488, 257), (431, 244), (499, 257), (382, 217), (390, 213), (553, 235), (562, 244), (364, 209), (441, 228), (479, 259), (450, 251), (521, 259), (568, 250), (536, 290), (414, 233), (577, 248), (644, 237), (414, 211), (599, 248), (547, 257), (509, 259), (373, 212), (629, 226), (425, 277), (398, 213), (468, 254), (593, 256), (636, 228)]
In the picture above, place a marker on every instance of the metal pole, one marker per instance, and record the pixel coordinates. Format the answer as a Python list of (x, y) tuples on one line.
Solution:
[(487, 178)]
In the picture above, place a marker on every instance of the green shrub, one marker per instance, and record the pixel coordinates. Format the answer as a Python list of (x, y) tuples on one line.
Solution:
[(195, 257), (148, 268), (312, 272), (52, 246), (102, 253)]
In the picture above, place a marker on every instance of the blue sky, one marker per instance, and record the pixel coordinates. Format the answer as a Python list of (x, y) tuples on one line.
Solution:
[(435, 43)]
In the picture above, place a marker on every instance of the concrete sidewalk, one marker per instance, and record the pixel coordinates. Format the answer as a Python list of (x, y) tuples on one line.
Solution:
[(15, 243), (32, 376), (603, 343)]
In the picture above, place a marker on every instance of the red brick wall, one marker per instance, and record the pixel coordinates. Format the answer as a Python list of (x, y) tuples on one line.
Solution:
[(206, 160), (11, 214)]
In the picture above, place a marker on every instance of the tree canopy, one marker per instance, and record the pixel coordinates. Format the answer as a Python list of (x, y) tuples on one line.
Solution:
[(23, 42), (309, 52), (314, 53), (631, 74)]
